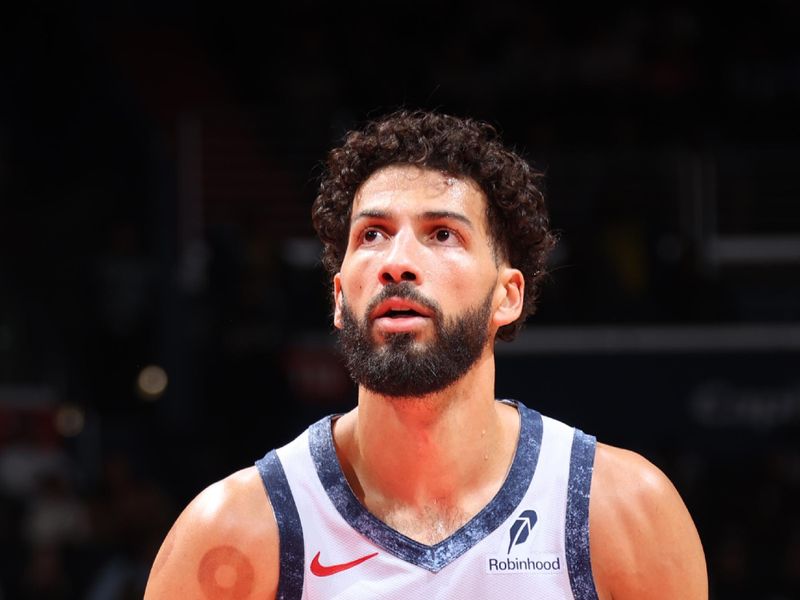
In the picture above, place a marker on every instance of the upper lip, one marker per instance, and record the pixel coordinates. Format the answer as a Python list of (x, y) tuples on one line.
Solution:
[(399, 304)]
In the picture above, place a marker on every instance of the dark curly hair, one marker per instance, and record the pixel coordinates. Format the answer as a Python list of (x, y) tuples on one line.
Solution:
[(517, 217)]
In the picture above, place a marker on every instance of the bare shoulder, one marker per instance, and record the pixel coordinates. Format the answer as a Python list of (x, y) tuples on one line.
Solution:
[(223, 545), (644, 543)]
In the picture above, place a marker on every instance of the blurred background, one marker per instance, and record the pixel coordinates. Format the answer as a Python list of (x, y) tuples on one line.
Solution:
[(164, 319)]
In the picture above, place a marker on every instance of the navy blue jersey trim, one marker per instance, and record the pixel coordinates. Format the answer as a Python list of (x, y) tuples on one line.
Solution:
[(579, 563), (432, 558), (292, 553)]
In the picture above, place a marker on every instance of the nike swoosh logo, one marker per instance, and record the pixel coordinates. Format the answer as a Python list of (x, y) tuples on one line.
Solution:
[(321, 570)]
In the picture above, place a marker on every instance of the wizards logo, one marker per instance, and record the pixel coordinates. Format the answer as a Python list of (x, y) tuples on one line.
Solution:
[(521, 528)]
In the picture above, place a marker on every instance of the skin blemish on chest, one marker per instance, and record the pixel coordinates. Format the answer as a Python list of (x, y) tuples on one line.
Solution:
[(225, 573)]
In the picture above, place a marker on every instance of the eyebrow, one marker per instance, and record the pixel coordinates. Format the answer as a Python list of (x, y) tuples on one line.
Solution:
[(430, 215)]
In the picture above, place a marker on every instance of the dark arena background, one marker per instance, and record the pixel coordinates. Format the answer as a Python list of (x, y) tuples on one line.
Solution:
[(164, 319)]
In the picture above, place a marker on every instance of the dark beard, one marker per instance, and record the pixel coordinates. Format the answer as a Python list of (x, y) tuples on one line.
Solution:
[(403, 367)]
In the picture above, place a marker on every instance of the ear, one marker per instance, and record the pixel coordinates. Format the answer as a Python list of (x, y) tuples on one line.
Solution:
[(337, 301), (510, 296)]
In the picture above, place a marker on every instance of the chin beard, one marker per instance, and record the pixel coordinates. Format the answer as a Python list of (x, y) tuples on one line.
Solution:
[(402, 366)]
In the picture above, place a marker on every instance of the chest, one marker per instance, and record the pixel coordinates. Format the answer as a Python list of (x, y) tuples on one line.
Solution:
[(429, 525)]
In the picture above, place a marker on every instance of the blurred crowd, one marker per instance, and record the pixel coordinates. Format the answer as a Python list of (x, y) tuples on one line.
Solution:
[(70, 533)]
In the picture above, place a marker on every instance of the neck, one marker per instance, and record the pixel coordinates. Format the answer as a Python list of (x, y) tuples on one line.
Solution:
[(449, 450)]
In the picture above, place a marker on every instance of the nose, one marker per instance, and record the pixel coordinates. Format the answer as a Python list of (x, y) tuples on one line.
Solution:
[(401, 262)]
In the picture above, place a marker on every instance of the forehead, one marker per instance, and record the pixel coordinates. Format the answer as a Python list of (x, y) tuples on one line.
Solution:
[(406, 187)]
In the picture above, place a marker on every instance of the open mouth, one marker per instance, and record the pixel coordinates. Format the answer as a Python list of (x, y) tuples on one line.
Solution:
[(399, 308), (397, 314)]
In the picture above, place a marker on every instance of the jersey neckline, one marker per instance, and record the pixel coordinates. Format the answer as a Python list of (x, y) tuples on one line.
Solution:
[(430, 557)]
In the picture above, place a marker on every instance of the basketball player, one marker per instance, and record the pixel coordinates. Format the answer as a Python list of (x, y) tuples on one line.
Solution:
[(436, 237)]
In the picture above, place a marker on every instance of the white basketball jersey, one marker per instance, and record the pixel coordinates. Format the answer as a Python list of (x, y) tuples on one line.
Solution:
[(531, 541)]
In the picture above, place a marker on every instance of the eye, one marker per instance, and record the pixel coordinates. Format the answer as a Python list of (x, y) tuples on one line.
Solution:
[(370, 236), (445, 236)]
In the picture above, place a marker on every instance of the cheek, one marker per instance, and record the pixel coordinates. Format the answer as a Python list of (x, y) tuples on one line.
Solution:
[(462, 278), (353, 284)]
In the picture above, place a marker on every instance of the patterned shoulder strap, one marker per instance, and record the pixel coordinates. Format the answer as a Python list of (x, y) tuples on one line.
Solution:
[(290, 530), (577, 526)]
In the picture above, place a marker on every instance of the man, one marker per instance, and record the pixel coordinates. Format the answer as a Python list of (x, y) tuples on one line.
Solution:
[(436, 237)]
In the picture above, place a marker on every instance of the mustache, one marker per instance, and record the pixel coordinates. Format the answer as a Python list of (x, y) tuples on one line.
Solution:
[(405, 291)]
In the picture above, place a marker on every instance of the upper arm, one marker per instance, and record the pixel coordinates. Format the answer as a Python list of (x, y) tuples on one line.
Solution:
[(223, 545), (643, 541)]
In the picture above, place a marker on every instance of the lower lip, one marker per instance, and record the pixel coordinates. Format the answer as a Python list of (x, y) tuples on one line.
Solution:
[(399, 324)]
